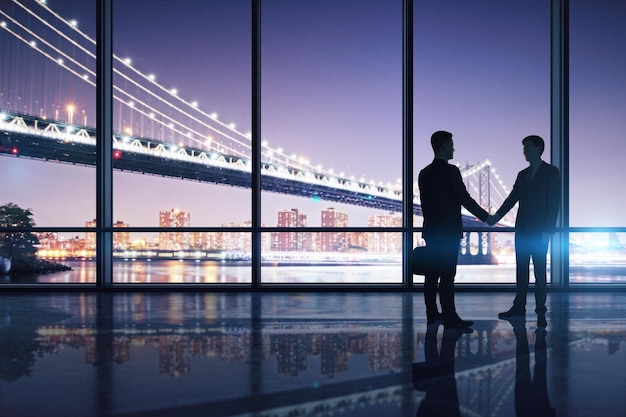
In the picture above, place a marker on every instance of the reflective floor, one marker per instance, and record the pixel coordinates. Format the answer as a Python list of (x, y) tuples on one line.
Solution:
[(213, 354)]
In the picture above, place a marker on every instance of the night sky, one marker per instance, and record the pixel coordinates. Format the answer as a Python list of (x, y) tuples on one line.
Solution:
[(331, 93)]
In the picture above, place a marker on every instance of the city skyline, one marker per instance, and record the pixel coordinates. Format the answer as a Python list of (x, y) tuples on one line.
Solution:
[(54, 245)]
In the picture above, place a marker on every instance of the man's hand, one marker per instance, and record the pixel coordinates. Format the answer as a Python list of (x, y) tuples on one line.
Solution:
[(492, 219)]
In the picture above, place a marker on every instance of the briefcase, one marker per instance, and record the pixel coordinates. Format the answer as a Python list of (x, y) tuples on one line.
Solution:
[(421, 260)]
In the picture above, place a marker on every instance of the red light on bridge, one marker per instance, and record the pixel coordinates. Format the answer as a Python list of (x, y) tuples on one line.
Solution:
[(14, 151), (117, 154)]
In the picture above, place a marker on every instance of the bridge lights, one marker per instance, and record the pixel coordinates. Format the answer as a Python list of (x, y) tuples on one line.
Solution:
[(70, 113), (14, 150), (316, 198), (117, 154)]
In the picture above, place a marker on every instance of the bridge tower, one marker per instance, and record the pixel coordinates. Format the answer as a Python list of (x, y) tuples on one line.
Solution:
[(484, 188)]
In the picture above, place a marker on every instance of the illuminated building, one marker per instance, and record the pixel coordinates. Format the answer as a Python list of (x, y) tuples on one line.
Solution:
[(290, 241), (174, 240), (334, 241)]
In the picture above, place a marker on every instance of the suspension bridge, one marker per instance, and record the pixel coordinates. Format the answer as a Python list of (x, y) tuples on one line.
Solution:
[(48, 94)]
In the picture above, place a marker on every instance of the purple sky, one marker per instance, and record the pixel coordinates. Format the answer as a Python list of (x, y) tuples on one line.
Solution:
[(331, 85)]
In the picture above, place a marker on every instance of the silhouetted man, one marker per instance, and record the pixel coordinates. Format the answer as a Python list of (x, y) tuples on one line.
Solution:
[(442, 193), (538, 193)]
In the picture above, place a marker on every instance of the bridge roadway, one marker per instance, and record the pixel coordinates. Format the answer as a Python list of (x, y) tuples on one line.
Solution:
[(27, 136)]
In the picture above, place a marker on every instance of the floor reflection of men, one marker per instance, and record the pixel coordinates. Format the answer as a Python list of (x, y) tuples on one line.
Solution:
[(531, 394), (436, 377)]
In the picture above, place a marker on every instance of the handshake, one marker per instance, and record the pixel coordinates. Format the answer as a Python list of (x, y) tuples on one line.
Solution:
[(492, 219)]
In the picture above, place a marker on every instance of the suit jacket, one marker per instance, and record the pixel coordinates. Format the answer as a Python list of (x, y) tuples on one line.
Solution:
[(442, 193), (539, 200)]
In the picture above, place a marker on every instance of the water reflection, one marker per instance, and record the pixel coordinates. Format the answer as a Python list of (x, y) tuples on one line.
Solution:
[(435, 375), (124, 353), (20, 345), (531, 391), (212, 272)]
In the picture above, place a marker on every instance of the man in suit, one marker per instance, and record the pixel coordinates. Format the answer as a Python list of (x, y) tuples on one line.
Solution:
[(442, 194), (538, 192)]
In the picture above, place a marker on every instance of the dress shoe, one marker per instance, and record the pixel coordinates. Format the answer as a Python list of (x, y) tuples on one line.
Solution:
[(457, 323), (434, 318), (512, 313), (541, 320)]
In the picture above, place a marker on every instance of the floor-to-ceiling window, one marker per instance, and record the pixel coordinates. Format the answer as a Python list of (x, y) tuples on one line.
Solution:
[(182, 144), (597, 125), (331, 141), (47, 139), (482, 72)]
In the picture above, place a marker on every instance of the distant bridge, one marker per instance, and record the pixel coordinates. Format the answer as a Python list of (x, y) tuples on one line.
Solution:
[(160, 132), (27, 136)]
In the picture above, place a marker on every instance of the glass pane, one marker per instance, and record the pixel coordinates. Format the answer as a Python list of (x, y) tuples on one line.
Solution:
[(60, 265), (47, 257), (482, 72), (484, 258), (486, 58), (597, 103), (182, 257), (332, 108), (47, 105), (182, 111), (597, 257), (304, 257)]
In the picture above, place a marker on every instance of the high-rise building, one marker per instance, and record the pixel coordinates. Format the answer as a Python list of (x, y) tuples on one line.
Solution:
[(290, 241), (121, 240), (241, 241), (198, 240), (48, 240), (174, 240), (90, 237), (334, 241), (385, 242)]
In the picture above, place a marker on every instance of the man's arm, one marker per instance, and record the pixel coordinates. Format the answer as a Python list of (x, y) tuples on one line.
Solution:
[(466, 199), (510, 201), (554, 200)]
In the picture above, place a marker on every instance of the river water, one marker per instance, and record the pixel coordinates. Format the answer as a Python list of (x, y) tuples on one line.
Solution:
[(212, 272)]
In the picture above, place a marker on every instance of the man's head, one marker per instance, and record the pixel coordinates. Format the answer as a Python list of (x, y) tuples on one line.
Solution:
[(442, 144), (533, 147)]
